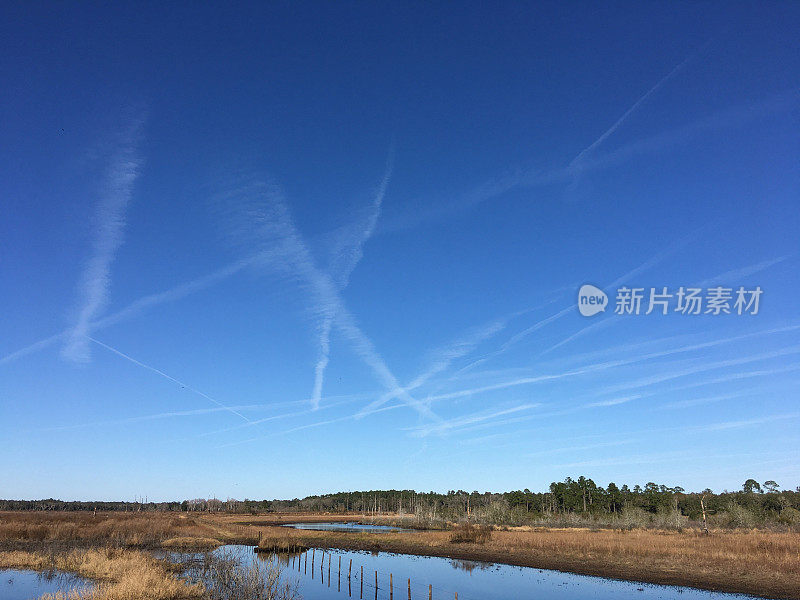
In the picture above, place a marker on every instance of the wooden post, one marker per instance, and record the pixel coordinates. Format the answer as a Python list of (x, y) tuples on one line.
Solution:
[(376, 585), (430, 591), (409, 588), (350, 570), (391, 587), (329, 570), (305, 564), (362, 581), (456, 595)]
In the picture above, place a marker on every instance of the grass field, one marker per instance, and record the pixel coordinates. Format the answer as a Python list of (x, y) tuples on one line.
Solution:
[(128, 530)]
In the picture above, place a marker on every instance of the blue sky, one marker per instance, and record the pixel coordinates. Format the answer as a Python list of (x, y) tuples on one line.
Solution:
[(268, 251)]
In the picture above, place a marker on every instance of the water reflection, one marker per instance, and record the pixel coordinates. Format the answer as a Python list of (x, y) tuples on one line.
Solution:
[(22, 585), (468, 565), (322, 574), (345, 527)]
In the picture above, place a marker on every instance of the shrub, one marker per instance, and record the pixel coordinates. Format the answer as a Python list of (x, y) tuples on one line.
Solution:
[(227, 577), (469, 533), (790, 516), (738, 516), (632, 518), (670, 519)]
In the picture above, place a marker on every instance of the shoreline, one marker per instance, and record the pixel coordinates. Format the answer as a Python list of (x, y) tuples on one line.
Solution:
[(730, 562), (560, 564)]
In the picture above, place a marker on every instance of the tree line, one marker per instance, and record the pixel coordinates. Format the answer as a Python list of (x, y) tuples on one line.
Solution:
[(577, 501)]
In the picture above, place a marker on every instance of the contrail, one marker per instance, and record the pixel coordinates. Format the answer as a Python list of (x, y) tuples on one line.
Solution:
[(343, 265), (144, 303), (463, 421), (729, 277), (534, 177), (645, 266), (628, 361), (307, 426), (110, 229), (156, 417), (445, 358), (735, 276), (158, 372), (270, 222), (579, 158), (701, 369)]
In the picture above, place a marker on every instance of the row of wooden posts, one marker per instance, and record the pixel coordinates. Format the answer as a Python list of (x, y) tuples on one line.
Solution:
[(304, 567)]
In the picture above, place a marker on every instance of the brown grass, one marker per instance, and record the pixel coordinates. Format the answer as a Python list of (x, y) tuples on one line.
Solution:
[(120, 574), (132, 530)]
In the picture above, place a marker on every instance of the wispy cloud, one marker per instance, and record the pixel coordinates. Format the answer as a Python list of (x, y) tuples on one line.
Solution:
[(747, 422), (613, 401), (709, 366), (268, 222), (639, 358), (156, 417), (349, 253), (633, 108), (308, 426), (645, 266), (466, 420), (526, 178), (443, 358), (170, 378), (735, 276), (145, 303), (108, 236), (729, 277)]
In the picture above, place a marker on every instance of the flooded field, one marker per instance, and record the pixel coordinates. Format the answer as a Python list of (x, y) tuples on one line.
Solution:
[(348, 526), (323, 575), (24, 585)]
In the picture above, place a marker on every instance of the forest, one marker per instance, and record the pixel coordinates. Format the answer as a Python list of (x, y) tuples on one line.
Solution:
[(572, 502)]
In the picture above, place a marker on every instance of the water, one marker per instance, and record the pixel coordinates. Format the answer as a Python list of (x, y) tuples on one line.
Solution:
[(471, 579), (345, 527), (23, 585)]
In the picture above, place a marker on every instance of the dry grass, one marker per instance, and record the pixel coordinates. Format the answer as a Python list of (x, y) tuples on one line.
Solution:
[(120, 574), (132, 530)]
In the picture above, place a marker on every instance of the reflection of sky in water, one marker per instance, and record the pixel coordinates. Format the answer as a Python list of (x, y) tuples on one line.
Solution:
[(473, 580), (23, 585), (344, 527)]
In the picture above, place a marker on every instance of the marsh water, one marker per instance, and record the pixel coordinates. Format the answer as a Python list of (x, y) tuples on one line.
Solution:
[(470, 579), (349, 526), (22, 585)]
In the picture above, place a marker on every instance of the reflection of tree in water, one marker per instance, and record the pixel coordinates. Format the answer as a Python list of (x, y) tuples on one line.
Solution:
[(468, 565), (284, 557)]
